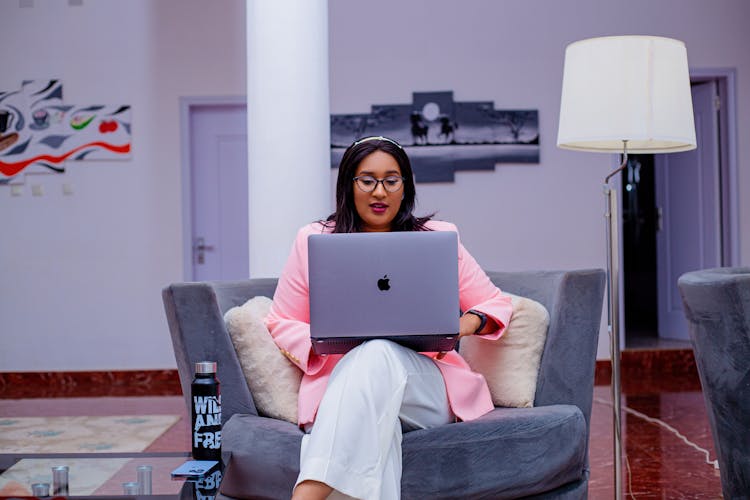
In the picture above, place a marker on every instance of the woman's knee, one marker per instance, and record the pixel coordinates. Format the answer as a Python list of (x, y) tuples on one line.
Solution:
[(379, 346), (379, 357)]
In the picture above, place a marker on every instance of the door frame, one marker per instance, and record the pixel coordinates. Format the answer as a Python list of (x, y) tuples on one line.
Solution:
[(187, 105), (729, 188)]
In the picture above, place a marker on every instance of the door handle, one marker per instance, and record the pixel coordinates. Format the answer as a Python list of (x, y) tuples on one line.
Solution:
[(200, 250), (659, 219)]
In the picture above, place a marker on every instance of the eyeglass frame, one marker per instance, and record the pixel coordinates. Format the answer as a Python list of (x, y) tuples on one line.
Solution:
[(379, 181)]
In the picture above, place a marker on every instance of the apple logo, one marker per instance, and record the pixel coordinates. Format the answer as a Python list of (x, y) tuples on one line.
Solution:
[(383, 283)]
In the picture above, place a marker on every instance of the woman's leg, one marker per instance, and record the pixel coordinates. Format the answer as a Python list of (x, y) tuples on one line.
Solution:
[(311, 490), (355, 444)]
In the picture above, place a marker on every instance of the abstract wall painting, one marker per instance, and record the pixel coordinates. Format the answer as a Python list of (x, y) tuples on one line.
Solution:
[(39, 132), (442, 136)]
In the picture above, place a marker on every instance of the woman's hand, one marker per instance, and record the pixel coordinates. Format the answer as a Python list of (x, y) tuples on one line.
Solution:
[(467, 325)]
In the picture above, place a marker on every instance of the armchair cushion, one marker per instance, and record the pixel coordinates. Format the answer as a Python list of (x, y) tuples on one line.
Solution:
[(511, 364), (508, 453), (273, 380)]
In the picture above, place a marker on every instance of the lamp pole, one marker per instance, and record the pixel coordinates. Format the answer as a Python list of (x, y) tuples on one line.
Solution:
[(613, 299)]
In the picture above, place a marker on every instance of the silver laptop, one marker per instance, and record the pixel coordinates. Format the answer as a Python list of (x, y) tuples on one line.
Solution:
[(401, 286)]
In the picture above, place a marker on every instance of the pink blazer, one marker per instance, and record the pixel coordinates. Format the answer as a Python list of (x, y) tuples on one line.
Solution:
[(289, 324)]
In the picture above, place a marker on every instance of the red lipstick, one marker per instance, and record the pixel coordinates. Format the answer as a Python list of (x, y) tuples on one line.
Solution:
[(378, 208)]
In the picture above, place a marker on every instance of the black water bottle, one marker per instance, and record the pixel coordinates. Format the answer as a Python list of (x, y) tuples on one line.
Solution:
[(206, 399)]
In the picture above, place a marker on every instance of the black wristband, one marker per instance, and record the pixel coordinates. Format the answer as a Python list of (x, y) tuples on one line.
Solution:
[(482, 317)]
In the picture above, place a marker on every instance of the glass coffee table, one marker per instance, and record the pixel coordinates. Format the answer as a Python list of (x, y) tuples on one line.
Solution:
[(104, 475)]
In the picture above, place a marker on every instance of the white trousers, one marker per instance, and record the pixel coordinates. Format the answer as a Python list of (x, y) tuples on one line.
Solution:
[(375, 391)]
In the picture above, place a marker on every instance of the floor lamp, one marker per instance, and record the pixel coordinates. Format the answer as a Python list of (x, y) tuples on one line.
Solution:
[(624, 94)]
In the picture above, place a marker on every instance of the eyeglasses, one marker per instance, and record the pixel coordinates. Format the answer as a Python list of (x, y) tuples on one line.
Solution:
[(368, 183), (377, 138)]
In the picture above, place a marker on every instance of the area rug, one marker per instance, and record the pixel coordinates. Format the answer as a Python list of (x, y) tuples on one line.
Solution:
[(110, 434)]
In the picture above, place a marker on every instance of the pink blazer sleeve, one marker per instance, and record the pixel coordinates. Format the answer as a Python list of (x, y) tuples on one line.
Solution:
[(476, 290), (289, 318)]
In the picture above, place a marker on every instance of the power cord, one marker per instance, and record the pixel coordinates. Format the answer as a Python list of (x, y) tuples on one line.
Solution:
[(626, 409)]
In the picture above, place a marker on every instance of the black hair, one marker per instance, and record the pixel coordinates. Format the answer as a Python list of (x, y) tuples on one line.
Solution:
[(346, 219)]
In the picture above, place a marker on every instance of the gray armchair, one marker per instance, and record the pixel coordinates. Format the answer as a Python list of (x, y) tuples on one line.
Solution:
[(539, 452), (717, 306)]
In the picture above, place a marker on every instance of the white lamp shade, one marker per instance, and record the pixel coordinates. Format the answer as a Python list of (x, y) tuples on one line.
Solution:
[(626, 88)]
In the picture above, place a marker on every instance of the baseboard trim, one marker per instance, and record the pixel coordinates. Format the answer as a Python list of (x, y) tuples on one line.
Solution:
[(83, 384), (641, 366)]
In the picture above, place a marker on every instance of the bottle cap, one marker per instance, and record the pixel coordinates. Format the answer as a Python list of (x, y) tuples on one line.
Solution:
[(40, 489), (205, 367), (130, 488)]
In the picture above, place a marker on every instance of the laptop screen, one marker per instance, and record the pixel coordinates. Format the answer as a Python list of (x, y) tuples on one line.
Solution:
[(375, 285)]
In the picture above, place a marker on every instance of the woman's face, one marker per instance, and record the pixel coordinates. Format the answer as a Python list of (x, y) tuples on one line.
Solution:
[(378, 208)]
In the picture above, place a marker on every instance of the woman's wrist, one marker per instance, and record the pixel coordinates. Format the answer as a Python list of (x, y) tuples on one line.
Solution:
[(482, 320), (467, 324)]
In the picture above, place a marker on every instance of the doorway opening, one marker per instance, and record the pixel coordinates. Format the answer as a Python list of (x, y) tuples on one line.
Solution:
[(639, 226), (679, 213)]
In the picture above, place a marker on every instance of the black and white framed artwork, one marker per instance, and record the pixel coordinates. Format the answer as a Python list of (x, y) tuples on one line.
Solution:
[(442, 136)]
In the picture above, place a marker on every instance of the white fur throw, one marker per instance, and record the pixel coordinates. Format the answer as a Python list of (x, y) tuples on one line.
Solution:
[(271, 377), (511, 364)]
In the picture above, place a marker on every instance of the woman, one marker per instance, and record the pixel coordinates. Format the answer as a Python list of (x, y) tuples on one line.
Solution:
[(355, 406)]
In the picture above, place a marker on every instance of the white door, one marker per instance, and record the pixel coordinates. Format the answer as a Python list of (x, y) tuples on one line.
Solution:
[(219, 197), (688, 198)]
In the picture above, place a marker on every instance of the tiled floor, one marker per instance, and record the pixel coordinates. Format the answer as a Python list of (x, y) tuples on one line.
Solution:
[(661, 465)]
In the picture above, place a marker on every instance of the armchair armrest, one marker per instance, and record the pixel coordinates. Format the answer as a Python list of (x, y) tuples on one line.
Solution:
[(574, 301), (196, 324)]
